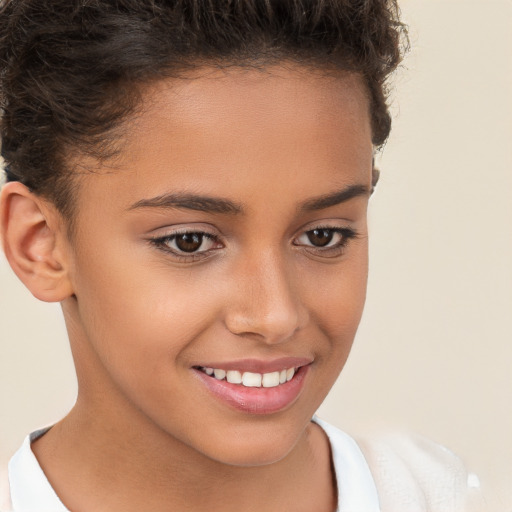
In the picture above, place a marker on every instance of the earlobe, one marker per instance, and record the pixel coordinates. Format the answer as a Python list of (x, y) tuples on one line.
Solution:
[(32, 239), (375, 176)]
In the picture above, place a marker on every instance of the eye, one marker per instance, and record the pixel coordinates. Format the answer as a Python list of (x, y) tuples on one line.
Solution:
[(320, 237), (187, 243), (190, 242), (325, 238)]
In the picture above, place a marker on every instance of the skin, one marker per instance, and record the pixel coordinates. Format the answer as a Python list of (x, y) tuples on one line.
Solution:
[(140, 317)]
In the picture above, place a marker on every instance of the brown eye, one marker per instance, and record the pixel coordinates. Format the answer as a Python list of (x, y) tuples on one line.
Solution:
[(320, 237), (189, 242), (325, 240)]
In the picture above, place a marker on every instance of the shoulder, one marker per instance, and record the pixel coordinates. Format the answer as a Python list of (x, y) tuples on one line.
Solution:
[(407, 473), (414, 474)]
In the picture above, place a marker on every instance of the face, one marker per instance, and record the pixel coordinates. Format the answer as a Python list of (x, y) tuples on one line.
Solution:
[(231, 237)]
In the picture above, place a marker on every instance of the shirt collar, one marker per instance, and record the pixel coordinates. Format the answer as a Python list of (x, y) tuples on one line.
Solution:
[(356, 486), (30, 489)]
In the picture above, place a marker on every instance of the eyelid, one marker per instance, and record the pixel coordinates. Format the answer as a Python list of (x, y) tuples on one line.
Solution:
[(344, 230), (340, 231), (340, 225), (160, 242), (327, 251), (170, 230)]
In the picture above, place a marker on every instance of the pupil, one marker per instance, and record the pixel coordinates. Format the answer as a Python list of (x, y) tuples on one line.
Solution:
[(320, 237), (189, 242)]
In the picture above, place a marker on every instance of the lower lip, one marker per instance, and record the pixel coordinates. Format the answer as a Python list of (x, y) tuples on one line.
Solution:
[(256, 400)]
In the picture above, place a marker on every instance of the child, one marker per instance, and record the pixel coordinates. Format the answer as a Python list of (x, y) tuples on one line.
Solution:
[(190, 181)]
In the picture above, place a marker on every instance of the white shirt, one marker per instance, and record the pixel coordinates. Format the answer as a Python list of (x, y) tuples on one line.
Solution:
[(31, 491)]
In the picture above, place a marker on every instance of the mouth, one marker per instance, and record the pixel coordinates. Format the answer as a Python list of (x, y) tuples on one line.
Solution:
[(242, 387), (251, 379)]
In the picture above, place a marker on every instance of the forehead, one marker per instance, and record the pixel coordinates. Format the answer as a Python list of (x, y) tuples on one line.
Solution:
[(208, 92), (239, 128)]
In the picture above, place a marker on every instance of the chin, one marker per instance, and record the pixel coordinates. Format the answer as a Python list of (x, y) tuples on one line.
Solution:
[(253, 457), (259, 448)]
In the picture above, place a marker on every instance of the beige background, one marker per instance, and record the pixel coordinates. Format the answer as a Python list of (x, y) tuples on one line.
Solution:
[(434, 351)]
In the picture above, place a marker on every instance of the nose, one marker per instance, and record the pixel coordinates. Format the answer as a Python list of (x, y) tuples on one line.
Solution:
[(266, 303)]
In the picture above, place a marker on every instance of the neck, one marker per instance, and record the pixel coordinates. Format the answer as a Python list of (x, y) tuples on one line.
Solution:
[(100, 465)]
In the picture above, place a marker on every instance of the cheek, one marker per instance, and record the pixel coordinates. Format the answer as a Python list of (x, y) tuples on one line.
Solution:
[(337, 292), (337, 300), (136, 314)]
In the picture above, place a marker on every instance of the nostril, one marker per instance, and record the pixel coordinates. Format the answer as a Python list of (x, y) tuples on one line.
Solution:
[(274, 327)]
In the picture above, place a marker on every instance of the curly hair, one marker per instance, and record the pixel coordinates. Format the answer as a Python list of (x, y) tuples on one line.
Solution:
[(70, 70)]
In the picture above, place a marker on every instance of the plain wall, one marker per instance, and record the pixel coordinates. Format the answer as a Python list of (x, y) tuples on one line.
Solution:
[(434, 350)]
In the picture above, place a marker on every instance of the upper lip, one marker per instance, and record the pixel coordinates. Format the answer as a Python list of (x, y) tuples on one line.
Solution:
[(259, 365)]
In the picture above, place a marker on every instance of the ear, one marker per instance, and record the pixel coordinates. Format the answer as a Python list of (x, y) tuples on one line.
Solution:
[(375, 175), (34, 241)]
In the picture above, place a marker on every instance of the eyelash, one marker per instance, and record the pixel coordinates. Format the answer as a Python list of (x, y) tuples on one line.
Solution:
[(338, 249), (163, 242)]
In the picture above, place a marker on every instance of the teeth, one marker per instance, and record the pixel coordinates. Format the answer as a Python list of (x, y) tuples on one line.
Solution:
[(270, 380), (219, 374), (234, 376), (250, 379)]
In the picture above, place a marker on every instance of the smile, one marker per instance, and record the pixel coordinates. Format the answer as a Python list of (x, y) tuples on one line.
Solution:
[(255, 387), (251, 379)]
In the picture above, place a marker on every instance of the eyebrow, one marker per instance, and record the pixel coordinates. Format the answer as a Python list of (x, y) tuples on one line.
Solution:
[(190, 202), (225, 206), (328, 200)]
